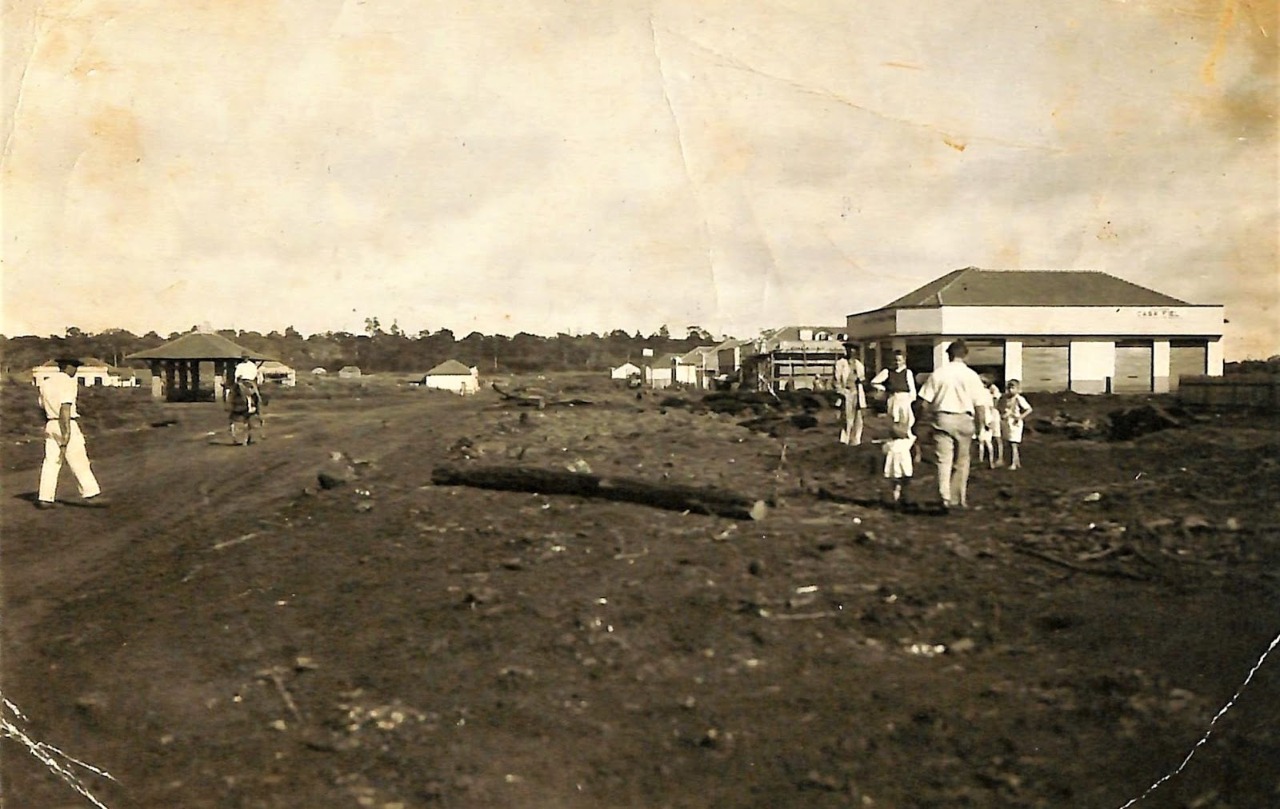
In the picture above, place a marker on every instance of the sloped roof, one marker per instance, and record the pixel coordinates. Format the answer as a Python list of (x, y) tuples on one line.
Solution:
[(792, 333), (697, 354), (197, 346), (450, 368), (974, 287)]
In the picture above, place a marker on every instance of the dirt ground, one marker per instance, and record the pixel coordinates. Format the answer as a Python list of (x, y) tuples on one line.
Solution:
[(232, 634)]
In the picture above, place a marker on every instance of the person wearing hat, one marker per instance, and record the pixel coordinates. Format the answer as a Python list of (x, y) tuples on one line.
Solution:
[(246, 408), (247, 370), (63, 441), (956, 396)]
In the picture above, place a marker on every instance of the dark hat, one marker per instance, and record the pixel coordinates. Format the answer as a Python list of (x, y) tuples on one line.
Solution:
[(74, 362)]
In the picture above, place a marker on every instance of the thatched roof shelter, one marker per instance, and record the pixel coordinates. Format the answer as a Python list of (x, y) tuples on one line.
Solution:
[(178, 362)]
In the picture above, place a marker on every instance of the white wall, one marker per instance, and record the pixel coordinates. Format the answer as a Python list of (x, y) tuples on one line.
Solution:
[(1103, 321), (1093, 362), (457, 383)]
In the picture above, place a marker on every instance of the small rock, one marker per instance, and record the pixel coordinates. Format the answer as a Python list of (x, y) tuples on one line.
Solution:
[(1194, 522), (962, 646), (481, 595), (1092, 497), (364, 506), (1232, 524)]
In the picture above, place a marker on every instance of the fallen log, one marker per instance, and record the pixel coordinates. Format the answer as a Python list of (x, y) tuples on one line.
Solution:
[(538, 399), (669, 496)]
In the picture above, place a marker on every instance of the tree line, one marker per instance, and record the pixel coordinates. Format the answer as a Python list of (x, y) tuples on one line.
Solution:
[(377, 349)]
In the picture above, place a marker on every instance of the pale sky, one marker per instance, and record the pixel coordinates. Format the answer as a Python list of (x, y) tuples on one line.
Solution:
[(548, 166)]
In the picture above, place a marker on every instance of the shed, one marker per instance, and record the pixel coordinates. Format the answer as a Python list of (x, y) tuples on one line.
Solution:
[(1055, 330), (452, 375), (178, 366), (698, 367), (624, 371), (278, 373), (348, 372)]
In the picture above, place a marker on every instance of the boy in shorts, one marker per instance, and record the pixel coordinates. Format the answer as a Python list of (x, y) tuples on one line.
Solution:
[(1015, 408)]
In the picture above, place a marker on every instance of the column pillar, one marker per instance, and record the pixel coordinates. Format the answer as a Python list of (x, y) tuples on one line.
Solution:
[(1012, 359), (1160, 366)]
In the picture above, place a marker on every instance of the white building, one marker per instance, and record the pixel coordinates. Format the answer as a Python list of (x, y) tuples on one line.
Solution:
[(625, 371), (452, 375), (278, 373), (93, 373), (1055, 330), (699, 367)]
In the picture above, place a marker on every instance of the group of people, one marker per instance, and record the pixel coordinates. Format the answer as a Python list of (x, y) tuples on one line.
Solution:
[(963, 407), (64, 441)]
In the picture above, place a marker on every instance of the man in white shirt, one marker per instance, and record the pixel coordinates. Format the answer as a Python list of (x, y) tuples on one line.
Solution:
[(956, 396), (63, 440), (247, 370), (849, 375), (246, 407)]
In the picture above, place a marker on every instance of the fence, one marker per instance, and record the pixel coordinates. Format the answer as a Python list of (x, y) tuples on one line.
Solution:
[(1233, 392)]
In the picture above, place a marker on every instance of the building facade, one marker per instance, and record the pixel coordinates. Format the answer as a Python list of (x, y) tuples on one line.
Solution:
[(1055, 330)]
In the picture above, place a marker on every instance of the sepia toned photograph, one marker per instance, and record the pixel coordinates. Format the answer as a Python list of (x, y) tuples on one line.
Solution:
[(640, 404)]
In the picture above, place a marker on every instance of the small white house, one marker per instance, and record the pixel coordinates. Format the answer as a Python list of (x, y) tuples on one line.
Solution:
[(625, 371), (453, 376), (278, 373), (348, 372), (662, 373), (698, 367), (92, 373)]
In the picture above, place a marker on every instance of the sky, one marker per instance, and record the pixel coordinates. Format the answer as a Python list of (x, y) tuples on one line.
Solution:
[(580, 167)]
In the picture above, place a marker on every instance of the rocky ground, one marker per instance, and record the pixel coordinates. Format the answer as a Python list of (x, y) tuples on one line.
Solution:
[(234, 632)]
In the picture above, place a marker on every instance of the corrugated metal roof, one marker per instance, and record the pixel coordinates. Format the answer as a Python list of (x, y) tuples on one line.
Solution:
[(974, 287), (197, 346), (450, 368)]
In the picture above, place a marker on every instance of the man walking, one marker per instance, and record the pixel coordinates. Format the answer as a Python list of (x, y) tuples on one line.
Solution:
[(849, 374), (63, 440), (954, 394)]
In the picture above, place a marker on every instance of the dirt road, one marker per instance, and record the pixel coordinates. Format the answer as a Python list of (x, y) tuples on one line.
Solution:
[(231, 634)]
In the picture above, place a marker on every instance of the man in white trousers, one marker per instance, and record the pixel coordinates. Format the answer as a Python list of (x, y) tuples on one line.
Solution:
[(63, 440)]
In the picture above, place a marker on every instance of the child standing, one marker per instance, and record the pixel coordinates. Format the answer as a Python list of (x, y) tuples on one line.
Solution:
[(986, 448), (1015, 408), (995, 428), (897, 459)]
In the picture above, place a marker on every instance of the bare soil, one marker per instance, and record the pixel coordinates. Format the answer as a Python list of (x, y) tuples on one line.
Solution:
[(231, 634)]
